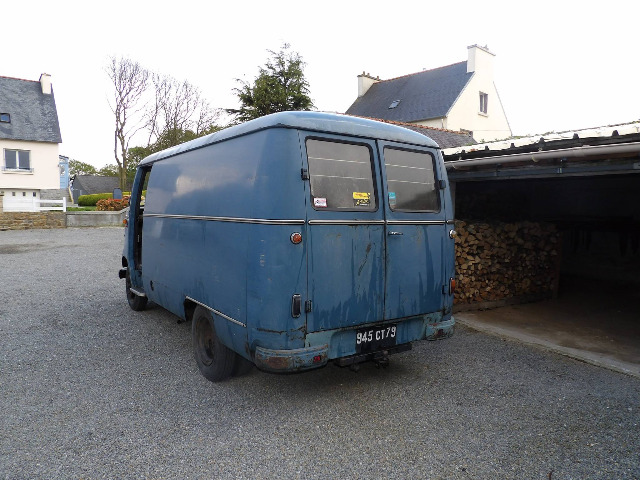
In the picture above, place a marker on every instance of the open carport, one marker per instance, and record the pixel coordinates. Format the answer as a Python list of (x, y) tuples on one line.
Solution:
[(587, 186)]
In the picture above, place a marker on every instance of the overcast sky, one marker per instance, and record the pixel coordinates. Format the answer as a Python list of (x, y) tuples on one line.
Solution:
[(559, 65)]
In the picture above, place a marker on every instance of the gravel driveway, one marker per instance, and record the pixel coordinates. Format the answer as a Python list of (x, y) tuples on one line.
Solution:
[(90, 389)]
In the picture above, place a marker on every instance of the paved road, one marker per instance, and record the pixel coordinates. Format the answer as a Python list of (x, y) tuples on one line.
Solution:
[(90, 389)]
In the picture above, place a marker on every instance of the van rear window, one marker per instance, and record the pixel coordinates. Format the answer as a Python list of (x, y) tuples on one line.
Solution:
[(341, 176), (411, 181)]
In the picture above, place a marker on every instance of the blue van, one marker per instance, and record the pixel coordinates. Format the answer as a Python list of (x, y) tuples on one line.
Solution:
[(295, 239)]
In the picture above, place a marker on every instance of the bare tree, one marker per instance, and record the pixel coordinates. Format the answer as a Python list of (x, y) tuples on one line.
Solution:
[(130, 81), (178, 107), (163, 109)]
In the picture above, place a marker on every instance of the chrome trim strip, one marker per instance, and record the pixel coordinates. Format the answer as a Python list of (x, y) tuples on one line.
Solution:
[(346, 222), (451, 222), (376, 222), (415, 222), (260, 221), (233, 320), (137, 292)]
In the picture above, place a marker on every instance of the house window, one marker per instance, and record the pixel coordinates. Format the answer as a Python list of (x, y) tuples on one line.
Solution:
[(484, 99), (5, 118), (17, 160), (394, 104)]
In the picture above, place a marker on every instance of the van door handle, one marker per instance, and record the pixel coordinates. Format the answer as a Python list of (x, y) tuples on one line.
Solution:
[(395, 233)]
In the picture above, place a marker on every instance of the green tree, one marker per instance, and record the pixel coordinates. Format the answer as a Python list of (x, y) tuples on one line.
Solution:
[(76, 167), (279, 87), (109, 171)]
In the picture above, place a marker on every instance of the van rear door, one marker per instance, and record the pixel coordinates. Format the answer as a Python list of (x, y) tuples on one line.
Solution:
[(415, 231), (346, 232)]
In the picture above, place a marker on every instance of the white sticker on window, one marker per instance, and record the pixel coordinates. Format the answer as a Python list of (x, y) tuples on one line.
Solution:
[(320, 202)]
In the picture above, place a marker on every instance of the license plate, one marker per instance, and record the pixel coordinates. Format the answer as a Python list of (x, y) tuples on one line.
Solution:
[(372, 339)]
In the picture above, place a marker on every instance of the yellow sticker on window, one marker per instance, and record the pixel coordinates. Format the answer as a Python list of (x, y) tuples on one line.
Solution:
[(361, 199)]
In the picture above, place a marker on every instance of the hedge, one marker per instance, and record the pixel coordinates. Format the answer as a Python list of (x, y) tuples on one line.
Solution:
[(92, 200)]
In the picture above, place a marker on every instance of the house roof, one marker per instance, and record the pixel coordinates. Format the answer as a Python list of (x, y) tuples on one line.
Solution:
[(33, 114), (444, 138), (422, 96), (90, 184)]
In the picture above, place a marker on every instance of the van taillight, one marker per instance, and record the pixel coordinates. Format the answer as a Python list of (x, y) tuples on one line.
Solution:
[(452, 286)]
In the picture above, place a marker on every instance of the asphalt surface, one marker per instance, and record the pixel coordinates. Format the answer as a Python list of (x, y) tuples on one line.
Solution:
[(90, 389)]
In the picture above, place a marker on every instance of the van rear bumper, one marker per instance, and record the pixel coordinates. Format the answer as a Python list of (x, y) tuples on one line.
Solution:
[(295, 360)]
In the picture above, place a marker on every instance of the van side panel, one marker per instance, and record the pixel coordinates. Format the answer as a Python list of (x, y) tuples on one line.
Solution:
[(218, 222), (186, 252), (276, 268)]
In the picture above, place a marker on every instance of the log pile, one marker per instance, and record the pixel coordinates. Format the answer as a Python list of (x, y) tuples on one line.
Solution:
[(498, 261)]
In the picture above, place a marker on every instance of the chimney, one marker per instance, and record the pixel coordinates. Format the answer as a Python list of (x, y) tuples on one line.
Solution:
[(364, 83), (480, 59), (45, 83)]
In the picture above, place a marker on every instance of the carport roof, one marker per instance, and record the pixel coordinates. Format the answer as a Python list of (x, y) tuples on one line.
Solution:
[(604, 150)]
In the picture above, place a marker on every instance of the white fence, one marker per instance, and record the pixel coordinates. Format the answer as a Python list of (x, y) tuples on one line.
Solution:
[(33, 204)]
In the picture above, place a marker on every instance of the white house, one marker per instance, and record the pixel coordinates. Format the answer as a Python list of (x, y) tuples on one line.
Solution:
[(29, 140), (460, 97)]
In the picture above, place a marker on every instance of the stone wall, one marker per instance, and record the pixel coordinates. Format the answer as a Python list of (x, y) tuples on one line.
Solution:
[(27, 220)]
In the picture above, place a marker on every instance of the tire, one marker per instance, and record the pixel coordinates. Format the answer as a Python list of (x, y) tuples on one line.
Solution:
[(136, 302), (215, 361)]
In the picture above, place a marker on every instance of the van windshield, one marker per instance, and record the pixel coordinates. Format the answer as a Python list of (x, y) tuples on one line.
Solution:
[(341, 176), (411, 181)]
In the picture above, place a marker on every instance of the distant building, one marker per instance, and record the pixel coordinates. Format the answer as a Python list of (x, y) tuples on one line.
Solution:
[(91, 184), (461, 97), (29, 141)]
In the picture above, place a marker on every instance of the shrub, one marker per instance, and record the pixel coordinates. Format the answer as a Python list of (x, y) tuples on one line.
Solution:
[(92, 200), (111, 205)]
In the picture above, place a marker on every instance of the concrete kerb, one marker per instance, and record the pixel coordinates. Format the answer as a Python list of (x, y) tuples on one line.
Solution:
[(96, 219), (592, 358)]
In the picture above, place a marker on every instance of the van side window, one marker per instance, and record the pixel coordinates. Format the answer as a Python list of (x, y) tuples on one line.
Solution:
[(411, 181), (341, 176)]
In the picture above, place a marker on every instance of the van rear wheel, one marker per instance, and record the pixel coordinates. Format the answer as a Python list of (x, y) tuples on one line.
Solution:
[(215, 361)]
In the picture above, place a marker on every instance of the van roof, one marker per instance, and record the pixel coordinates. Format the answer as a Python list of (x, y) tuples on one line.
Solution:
[(313, 121)]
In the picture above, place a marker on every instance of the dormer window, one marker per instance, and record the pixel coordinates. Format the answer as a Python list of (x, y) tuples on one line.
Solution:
[(484, 99), (5, 118), (394, 104)]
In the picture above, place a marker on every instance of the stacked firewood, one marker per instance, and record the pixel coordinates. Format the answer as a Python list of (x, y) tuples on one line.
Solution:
[(497, 261)]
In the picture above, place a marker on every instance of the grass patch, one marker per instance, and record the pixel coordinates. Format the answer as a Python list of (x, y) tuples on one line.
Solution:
[(81, 209)]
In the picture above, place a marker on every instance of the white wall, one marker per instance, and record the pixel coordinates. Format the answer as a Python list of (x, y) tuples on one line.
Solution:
[(465, 113), (44, 162), (434, 122)]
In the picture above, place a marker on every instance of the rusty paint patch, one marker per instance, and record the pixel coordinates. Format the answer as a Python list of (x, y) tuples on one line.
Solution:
[(277, 363)]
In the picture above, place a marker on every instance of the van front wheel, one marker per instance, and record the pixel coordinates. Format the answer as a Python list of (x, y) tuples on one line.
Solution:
[(215, 361), (136, 302)]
